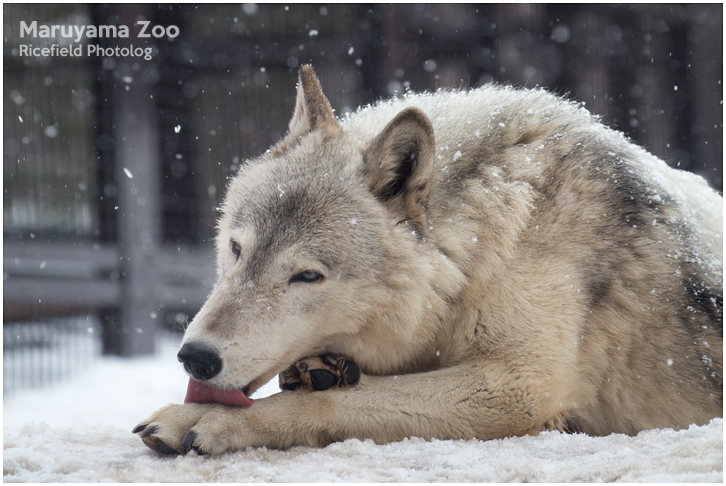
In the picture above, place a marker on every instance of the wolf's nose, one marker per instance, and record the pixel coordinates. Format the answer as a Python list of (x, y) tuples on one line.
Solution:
[(202, 362)]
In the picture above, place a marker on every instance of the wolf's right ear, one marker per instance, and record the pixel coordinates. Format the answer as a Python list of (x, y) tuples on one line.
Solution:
[(312, 110), (399, 165)]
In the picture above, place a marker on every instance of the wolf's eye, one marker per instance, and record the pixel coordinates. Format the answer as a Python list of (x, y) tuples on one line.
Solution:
[(308, 276), (236, 249)]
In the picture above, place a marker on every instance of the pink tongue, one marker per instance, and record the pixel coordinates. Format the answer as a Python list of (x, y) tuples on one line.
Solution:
[(198, 392)]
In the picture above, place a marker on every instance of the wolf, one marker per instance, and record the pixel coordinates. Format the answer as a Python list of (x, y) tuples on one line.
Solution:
[(495, 262)]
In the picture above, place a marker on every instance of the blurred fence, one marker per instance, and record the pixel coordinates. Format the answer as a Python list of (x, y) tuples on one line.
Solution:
[(113, 166), (37, 354)]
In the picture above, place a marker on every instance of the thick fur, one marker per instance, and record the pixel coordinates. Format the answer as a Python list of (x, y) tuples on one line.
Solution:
[(496, 261)]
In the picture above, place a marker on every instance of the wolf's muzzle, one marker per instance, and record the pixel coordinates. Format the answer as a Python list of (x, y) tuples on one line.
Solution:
[(202, 362)]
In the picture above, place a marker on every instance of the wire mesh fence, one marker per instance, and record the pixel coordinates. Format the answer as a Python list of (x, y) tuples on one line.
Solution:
[(37, 354)]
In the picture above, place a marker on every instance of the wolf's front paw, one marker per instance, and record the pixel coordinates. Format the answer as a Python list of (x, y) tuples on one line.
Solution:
[(320, 373), (204, 428), (164, 431)]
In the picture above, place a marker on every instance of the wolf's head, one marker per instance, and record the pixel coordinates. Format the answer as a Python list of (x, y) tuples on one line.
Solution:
[(321, 248)]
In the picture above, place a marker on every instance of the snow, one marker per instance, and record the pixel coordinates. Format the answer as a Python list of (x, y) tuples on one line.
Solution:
[(79, 431)]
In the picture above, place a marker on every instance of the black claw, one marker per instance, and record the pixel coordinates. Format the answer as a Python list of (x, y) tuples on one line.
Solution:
[(149, 431), (139, 428), (188, 440), (321, 379), (352, 372), (147, 436), (162, 447), (188, 443), (158, 445)]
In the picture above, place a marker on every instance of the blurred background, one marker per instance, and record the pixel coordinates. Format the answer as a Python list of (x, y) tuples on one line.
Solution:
[(113, 166)]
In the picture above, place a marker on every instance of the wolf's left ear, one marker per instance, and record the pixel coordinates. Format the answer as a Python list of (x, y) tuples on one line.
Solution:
[(312, 110), (399, 164)]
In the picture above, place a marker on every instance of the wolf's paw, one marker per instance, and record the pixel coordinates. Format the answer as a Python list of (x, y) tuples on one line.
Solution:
[(320, 373), (204, 428), (164, 431)]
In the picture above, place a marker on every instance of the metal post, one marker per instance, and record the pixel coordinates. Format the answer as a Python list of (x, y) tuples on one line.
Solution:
[(137, 175)]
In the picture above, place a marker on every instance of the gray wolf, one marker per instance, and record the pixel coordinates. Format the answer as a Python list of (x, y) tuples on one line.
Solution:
[(495, 261)]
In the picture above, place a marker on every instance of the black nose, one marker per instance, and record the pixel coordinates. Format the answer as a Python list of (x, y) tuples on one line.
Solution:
[(202, 362)]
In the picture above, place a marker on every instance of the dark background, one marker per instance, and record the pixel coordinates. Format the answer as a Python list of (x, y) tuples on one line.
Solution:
[(113, 166)]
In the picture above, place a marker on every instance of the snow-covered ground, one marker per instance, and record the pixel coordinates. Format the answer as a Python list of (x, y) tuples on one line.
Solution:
[(79, 430)]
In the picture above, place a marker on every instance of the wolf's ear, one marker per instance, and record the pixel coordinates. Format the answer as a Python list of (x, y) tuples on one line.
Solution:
[(312, 110), (399, 164)]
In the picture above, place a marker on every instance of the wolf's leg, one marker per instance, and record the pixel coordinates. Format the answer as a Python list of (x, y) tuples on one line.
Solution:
[(320, 373), (459, 402)]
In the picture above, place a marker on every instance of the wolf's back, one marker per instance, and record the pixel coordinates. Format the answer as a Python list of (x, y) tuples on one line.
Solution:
[(501, 118)]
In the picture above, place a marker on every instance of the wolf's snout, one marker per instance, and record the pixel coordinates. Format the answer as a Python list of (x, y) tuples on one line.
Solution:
[(202, 362)]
